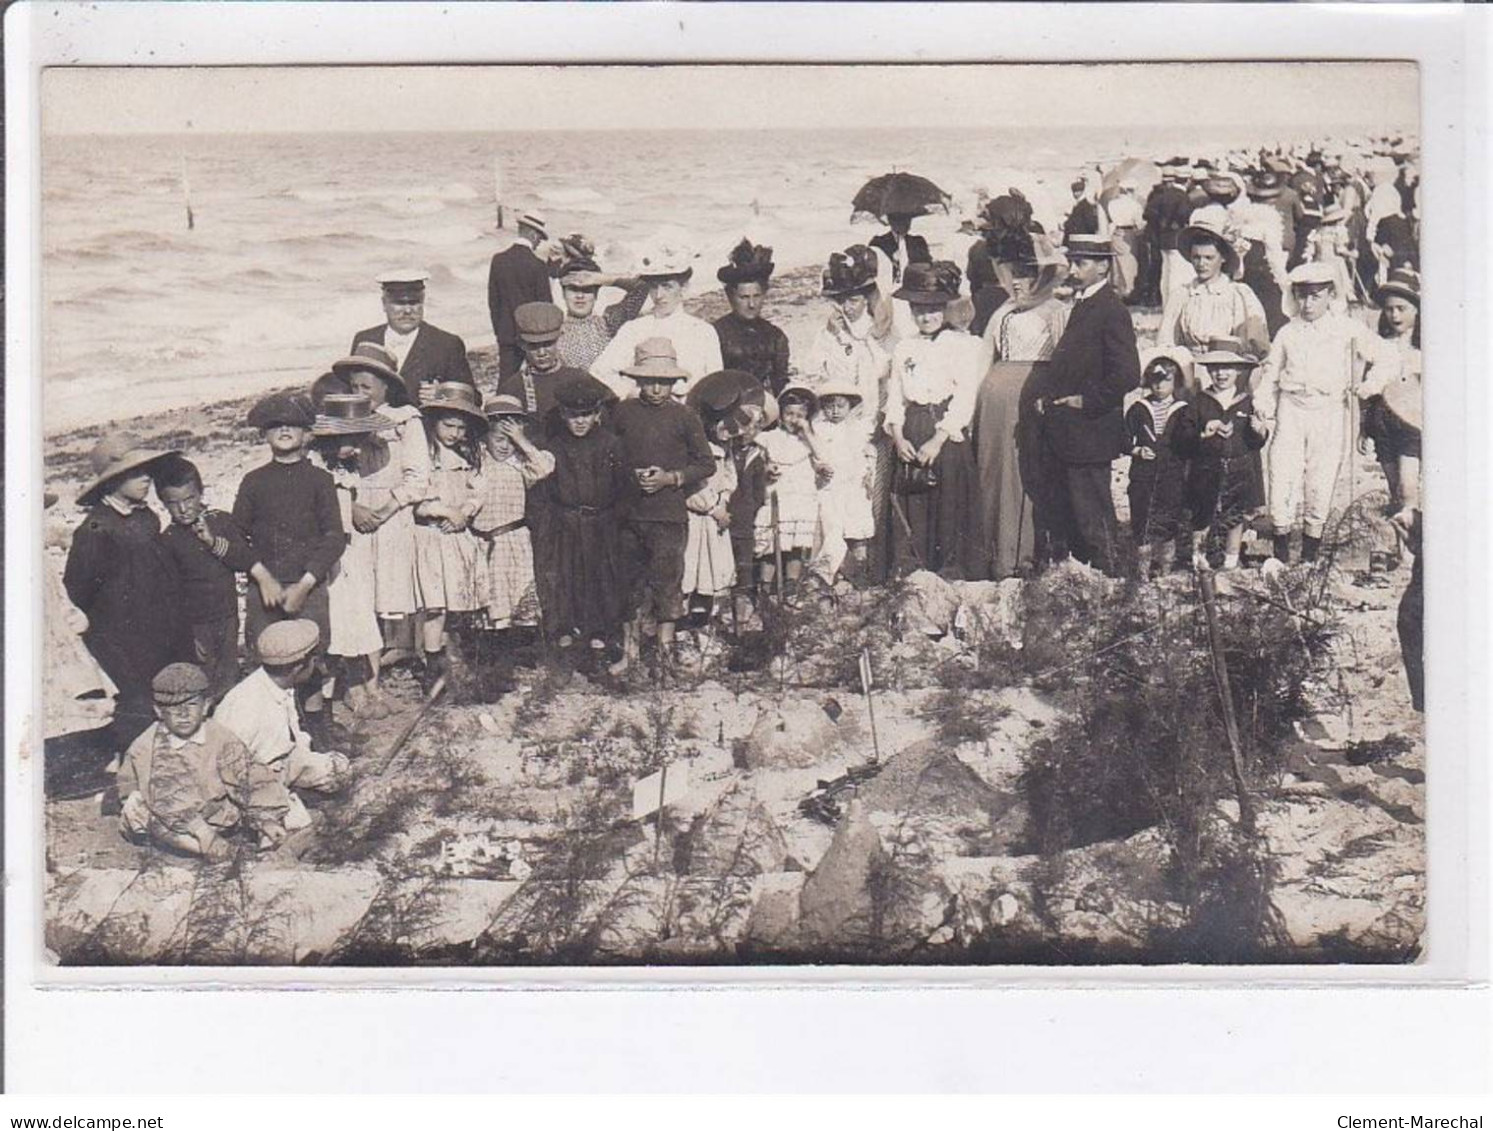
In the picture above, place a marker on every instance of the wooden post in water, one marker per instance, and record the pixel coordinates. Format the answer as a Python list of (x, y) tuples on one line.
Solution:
[(186, 194), (497, 189), (1226, 695)]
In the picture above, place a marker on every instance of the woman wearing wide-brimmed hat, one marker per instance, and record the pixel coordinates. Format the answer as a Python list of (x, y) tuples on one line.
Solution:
[(667, 270), (930, 402), (1213, 305), (348, 440), (119, 575), (1021, 336), (386, 504)]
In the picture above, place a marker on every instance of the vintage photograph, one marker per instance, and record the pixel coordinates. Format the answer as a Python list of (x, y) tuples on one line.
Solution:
[(732, 515)]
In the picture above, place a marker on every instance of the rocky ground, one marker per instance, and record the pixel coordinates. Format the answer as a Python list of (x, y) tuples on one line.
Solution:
[(506, 830)]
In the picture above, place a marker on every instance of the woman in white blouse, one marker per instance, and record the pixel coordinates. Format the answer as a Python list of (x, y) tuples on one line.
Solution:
[(1213, 305), (929, 406), (1021, 335)]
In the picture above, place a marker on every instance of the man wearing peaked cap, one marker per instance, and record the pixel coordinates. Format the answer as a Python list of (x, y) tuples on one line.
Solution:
[(517, 275), (538, 325), (424, 353)]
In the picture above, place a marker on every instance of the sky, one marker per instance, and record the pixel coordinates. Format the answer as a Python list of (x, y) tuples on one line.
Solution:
[(1262, 96)]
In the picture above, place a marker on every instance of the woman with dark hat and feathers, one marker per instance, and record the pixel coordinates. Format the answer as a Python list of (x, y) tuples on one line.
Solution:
[(748, 341)]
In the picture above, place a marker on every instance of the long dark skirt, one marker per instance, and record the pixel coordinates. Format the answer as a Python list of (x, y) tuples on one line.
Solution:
[(1005, 526), (1224, 492), (586, 586), (1158, 512), (939, 519)]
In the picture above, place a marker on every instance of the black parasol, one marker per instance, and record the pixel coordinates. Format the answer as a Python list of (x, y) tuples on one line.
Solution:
[(907, 193)]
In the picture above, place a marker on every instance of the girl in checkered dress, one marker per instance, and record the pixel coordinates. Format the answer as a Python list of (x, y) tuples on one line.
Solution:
[(511, 464)]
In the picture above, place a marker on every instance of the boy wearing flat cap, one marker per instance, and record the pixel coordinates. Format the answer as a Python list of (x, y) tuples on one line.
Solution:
[(1303, 396), (538, 325), (261, 712), (424, 354), (120, 576), (665, 451), (288, 508), (188, 780)]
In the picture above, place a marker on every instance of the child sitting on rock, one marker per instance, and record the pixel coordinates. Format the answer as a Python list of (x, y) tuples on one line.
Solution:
[(188, 781)]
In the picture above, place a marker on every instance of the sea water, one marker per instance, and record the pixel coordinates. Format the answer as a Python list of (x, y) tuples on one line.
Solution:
[(140, 314)]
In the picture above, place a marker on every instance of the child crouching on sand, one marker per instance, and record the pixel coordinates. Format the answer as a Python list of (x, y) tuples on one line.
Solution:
[(187, 781)]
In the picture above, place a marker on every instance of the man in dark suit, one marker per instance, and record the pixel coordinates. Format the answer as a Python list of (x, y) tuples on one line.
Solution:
[(517, 275), (426, 354), (1081, 408), (1084, 219), (900, 245)]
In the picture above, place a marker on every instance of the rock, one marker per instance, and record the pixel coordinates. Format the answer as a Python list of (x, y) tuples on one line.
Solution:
[(736, 837), (938, 801), (795, 733), (1005, 909), (835, 905), (929, 604), (989, 609), (773, 923)]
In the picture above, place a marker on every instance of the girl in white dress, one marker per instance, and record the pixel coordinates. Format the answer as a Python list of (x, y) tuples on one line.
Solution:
[(350, 444), (792, 471), (448, 558), (846, 523), (709, 563)]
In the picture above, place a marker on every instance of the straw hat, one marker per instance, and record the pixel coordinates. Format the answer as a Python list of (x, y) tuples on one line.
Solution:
[(1210, 225), (503, 405), (837, 387), (1227, 351), (349, 414), (370, 357), (532, 219), (1081, 245), (798, 393), (1313, 275), (113, 456), (666, 263), (655, 360), (455, 396), (1403, 282)]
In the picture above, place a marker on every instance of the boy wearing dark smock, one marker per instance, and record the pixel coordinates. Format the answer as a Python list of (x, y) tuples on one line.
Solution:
[(119, 575), (666, 453), (207, 549)]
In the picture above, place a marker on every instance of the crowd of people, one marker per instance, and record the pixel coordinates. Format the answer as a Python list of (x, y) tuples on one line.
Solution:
[(635, 468)]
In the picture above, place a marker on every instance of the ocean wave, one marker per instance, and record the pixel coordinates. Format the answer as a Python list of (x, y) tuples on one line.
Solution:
[(313, 240), (585, 200), (327, 194)]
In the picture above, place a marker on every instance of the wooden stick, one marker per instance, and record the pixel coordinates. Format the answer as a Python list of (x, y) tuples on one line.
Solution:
[(777, 545), (870, 703), (186, 193), (1226, 694), (658, 828), (409, 728), (497, 189)]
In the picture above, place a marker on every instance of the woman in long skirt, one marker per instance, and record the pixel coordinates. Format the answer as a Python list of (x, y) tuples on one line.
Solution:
[(930, 403), (1022, 335)]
